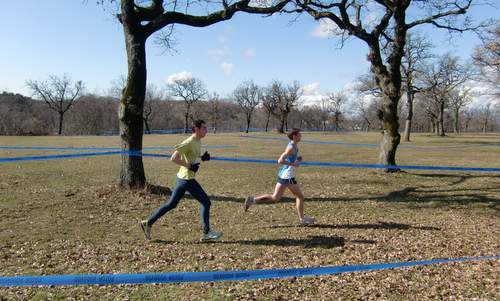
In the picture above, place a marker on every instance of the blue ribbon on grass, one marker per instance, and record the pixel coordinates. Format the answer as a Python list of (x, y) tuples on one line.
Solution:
[(215, 276)]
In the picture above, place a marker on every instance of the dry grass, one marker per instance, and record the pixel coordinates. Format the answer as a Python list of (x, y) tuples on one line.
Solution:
[(68, 216)]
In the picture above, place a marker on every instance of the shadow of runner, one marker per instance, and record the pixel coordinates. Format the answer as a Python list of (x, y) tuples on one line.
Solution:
[(325, 242), (158, 190)]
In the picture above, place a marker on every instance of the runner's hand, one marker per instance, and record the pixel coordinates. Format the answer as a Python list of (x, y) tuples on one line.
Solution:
[(194, 167), (205, 156)]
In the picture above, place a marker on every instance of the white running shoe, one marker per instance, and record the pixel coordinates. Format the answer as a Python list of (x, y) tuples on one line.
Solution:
[(146, 228), (211, 235), (248, 202), (307, 220)]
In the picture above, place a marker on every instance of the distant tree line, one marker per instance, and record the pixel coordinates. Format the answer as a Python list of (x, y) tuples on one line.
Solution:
[(275, 107)]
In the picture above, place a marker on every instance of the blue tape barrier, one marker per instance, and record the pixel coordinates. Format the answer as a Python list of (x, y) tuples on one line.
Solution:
[(102, 148), (371, 144), (252, 160), (63, 156), (357, 165), (216, 276)]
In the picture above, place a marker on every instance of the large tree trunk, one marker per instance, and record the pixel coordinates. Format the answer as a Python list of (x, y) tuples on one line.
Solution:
[(409, 117), (391, 137), (390, 84), (456, 122), (61, 117), (441, 120), (336, 122), (132, 174), (186, 119), (282, 123), (267, 120)]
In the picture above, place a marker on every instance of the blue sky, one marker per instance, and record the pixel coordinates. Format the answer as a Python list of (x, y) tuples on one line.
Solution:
[(81, 39)]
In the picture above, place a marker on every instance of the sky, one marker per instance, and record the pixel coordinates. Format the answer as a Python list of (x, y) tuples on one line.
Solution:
[(83, 40)]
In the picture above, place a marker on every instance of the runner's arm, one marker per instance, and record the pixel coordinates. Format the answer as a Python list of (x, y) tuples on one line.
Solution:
[(288, 152), (176, 158)]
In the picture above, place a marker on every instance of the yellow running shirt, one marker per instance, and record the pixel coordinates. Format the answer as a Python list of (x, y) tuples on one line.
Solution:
[(190, 150)]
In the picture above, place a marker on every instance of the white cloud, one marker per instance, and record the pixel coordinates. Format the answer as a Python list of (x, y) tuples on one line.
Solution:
[(326, 29), (219, 54), (311, 89), (480, 94), (222, 39), (179, 76), (350, 87), (249, 53), (227, 68), (311, 94)]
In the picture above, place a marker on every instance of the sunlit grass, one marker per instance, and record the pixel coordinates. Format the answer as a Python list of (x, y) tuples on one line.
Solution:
[(68, 216)]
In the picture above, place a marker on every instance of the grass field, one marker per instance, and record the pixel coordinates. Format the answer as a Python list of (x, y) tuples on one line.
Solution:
[(68, 216)]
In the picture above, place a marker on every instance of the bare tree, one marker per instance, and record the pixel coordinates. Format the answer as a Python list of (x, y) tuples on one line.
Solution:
[(388, 30), (485, 112), (440, 79), (59, 93), (487, 58), (459, 98), (285, 98), (153, 97), (270, 103), (141, 19), (430, 109), (367, 104), (416, 52), (468, 116), (215, 110), (247, 96), (337, 102), (314, 116), (190, 90), (117, 86), (324, 110)]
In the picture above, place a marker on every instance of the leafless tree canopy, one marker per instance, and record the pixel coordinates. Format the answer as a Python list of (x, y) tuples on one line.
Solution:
[(58, 93), (487, 58), (190, 90), (441, 79), (247, 95)]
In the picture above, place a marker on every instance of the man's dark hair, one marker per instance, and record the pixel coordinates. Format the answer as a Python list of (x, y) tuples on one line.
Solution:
[(293, 132), (197, 124)]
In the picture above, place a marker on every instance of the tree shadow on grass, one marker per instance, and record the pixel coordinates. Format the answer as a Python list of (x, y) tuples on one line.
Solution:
[(460, 178), (438, 198), (379, 226)]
